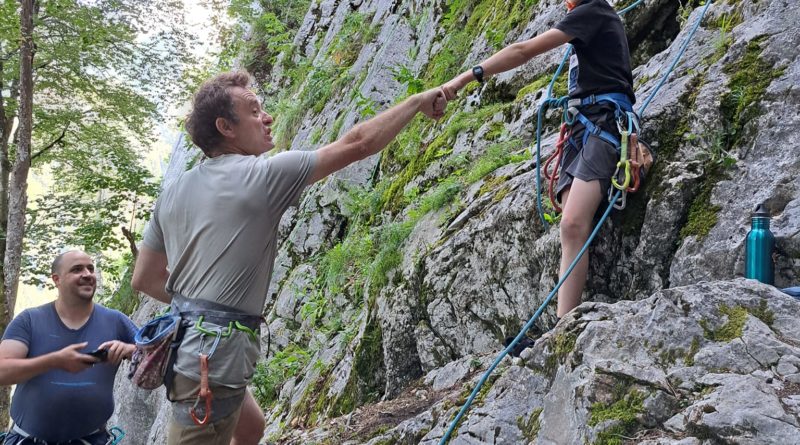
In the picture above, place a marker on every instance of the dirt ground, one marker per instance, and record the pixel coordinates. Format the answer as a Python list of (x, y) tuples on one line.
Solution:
[(370, 420)]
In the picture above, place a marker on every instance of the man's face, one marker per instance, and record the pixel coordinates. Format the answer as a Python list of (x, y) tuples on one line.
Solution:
[(75, 278), (571, 4), (253, 132)]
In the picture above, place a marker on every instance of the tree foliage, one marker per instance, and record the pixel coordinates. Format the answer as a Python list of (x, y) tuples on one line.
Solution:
[(104, 72)]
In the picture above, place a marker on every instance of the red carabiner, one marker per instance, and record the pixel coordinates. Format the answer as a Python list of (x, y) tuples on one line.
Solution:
[(204, 393)]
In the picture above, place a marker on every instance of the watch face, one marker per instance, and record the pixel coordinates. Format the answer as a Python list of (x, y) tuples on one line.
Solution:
[(478, 73)]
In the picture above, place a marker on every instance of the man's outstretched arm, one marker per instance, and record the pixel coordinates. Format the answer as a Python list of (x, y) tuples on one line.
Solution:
[(370, 137)]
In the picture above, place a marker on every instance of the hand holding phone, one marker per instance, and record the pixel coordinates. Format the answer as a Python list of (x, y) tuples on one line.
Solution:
[(100, 354)]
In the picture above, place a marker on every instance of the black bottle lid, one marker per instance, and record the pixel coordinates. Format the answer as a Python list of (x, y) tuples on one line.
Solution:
[(761, 212)]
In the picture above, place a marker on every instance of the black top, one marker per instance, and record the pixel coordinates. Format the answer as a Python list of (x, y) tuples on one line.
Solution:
[(601, 48)]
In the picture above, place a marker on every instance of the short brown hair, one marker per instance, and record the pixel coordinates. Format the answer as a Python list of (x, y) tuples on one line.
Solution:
[(211, 101)]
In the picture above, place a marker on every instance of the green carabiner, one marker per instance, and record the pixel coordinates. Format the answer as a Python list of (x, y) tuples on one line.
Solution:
[(252, 333), (227, 333), (623, 162), (199, 327), (627, 166)]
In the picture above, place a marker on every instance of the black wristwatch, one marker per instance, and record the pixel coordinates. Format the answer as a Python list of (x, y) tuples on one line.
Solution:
[(477, 73)]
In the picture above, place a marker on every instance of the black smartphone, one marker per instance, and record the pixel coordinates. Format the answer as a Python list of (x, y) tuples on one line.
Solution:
[(101, 354)]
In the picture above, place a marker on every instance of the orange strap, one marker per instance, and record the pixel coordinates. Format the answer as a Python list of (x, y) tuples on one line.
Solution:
[(204, 393)]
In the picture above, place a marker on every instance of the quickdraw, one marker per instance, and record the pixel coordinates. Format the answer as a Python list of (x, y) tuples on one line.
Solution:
[(205, 389), (205, 394), (635, 159), (624, 164)]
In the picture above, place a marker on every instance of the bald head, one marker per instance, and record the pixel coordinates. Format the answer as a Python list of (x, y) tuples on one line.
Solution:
[(55, 268), (74, 276)]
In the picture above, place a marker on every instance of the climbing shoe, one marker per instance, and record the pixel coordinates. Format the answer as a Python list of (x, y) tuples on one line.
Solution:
[(523, 344)]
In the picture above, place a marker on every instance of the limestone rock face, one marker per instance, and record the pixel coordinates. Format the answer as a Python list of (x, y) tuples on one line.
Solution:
[(669, 369), (398, 278)]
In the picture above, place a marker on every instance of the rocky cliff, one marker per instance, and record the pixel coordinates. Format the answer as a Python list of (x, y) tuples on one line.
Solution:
[(399, 277)]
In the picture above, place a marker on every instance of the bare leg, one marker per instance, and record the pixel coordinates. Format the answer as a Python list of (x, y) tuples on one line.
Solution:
[(250, 428), (580, 203)]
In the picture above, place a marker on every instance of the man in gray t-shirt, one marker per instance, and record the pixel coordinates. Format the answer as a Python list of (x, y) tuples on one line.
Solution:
[(213, 233)]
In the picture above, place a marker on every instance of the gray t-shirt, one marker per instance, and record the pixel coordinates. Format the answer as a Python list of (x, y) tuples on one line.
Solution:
[(218, 225)]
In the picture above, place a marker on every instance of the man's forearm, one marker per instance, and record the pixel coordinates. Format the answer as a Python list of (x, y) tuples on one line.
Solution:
[(372, 136), (18, 370), (375, 134), (154, 287)]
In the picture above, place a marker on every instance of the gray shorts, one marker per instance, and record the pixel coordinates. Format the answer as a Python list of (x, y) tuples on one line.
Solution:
[(597, 160)]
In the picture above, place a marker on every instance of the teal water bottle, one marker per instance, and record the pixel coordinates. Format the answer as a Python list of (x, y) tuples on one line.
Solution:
[(758, 248)]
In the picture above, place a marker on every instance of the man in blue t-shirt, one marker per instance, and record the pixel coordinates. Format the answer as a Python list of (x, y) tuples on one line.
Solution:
[(65, 395)]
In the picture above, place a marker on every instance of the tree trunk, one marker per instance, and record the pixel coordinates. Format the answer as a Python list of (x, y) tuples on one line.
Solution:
[(18, 183), (7, 117), (13, 185)]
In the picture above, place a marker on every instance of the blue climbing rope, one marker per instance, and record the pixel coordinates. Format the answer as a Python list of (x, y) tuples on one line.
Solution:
[(548, 101), (527, 326), (684, 45), (633, 5)]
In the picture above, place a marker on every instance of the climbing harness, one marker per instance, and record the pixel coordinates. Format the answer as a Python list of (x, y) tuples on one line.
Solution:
[(209, 328), (191, 325), (624, 116), (549, 101)]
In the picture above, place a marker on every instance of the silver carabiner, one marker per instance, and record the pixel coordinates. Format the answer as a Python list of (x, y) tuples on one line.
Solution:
[(213, 345), (620, 203)]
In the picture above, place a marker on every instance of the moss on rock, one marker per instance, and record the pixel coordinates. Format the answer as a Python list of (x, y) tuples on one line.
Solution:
[(733, 327), (750, 76), (562, 345), (622, 412), (530, 427)]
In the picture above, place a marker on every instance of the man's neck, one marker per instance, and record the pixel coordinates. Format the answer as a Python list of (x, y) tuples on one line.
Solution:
[(74, 314), (227, 149)]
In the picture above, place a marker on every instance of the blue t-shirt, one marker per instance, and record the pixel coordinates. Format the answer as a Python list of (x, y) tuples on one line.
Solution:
[(59, 405)]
